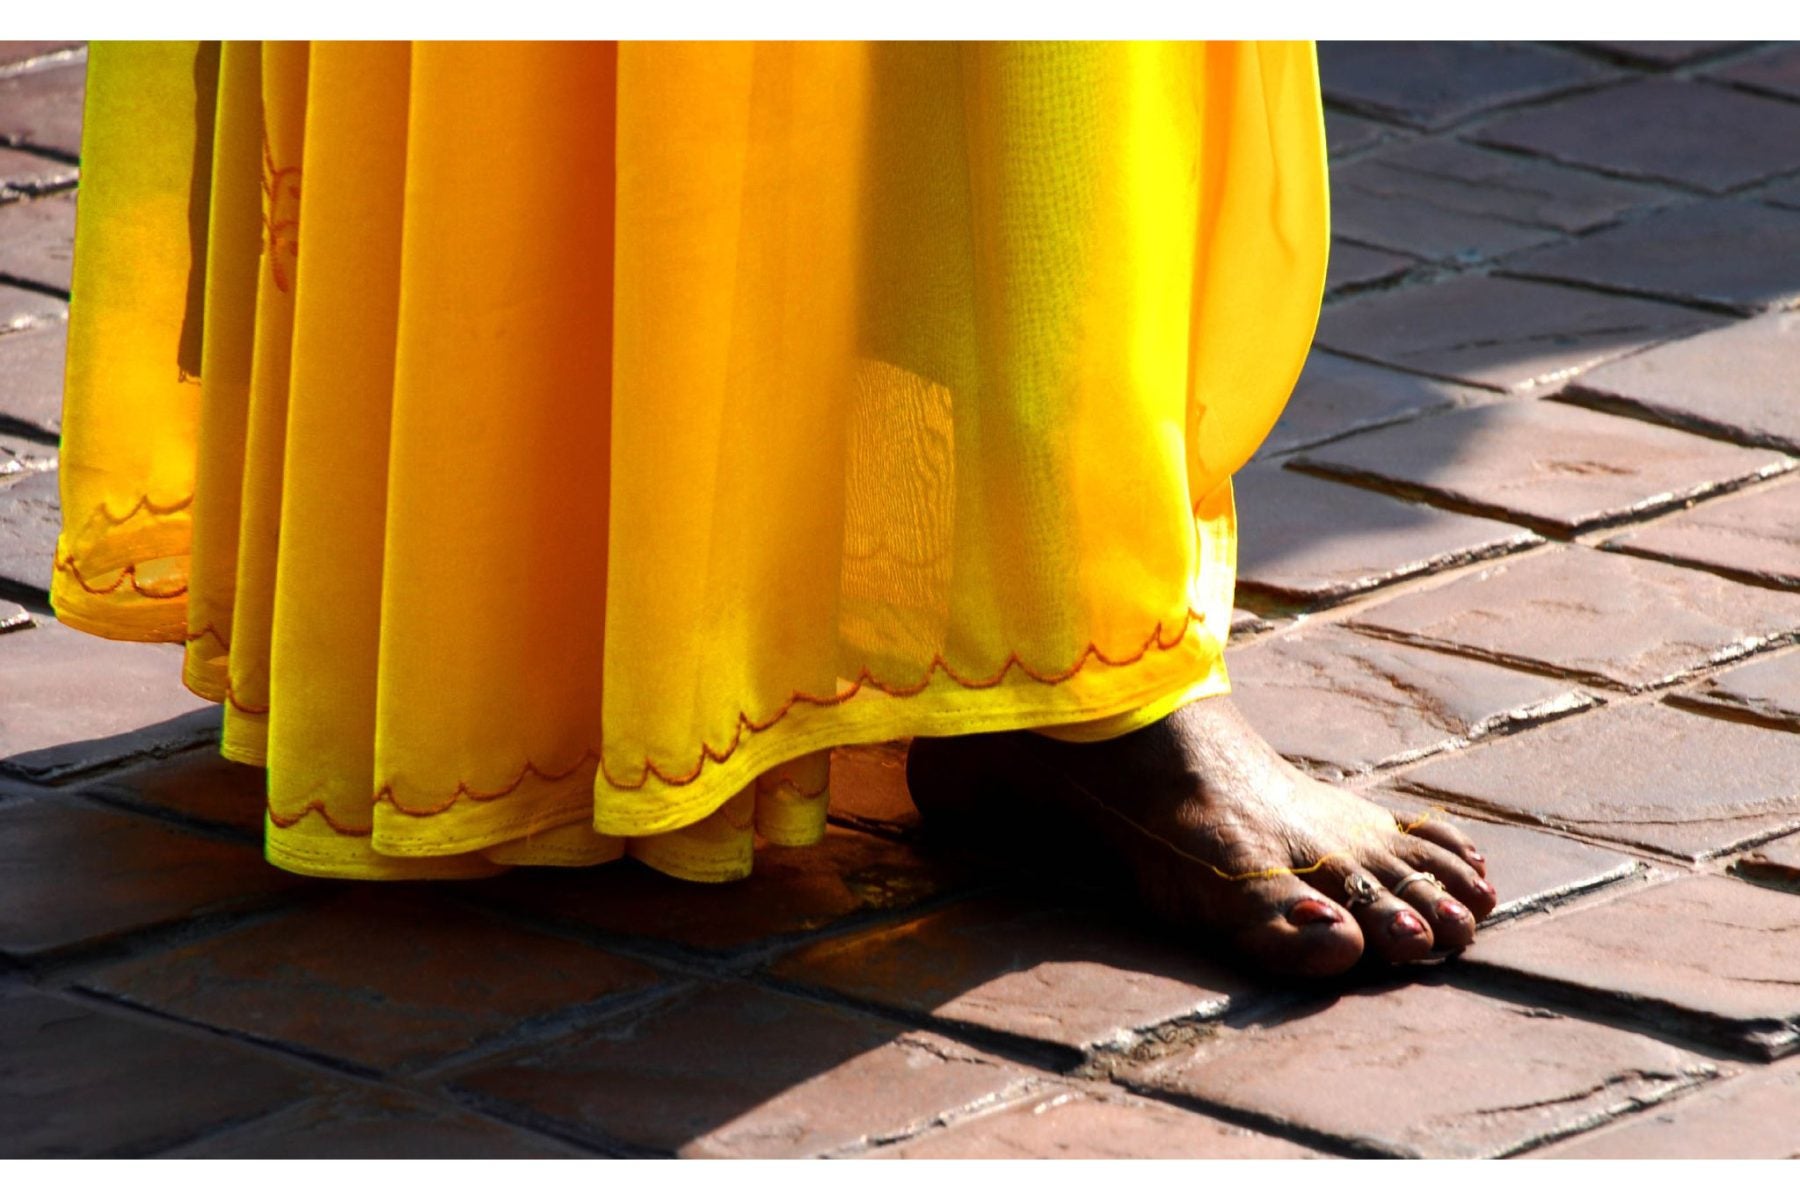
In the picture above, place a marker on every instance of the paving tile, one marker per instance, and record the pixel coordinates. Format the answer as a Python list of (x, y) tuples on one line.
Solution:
[(1505, 334), (1337, 395), (1058, 976), (37, 238), (72, 874), (730, 1070), (23, 173), (1244, 623), (1645, 774), (422, 978), (76, 1081), (1311, 541), (1773, 862), (1737, 382), (376, 1123), (1711, 956), (794, 891), (868, 789), (42, 108), (1396, 1072), (1554, 466), (1353, 266), (1756, 1115), (1731, 253), (21, 457), (1620, 621), (1430, 85), (13, 618), (31, 376), (1754, 536), (1776, 71), (1346, 134), (1768, 688), (1529, 868), (1700, 135), (1073, 1122), (1661, 54), (22, 308), (199, 784), (12, 54), (30, 519), (1785, 194), (74, 702), (1342, 704), (1448, 201)]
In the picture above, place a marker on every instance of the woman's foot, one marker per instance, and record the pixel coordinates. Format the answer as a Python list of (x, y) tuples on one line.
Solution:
[(1218, 832)]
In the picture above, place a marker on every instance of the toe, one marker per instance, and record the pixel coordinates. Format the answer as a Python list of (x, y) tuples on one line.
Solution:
[(1293, 929), (1392, 928), (1433, 828), (1452, 924), (1458, 878)]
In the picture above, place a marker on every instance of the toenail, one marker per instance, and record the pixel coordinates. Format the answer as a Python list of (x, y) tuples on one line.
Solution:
[(1407, 922), (1485, 888), (1313, 912), (1450, 910)]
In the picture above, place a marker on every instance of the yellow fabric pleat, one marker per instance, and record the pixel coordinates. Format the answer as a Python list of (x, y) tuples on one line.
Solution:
[(590, 437)]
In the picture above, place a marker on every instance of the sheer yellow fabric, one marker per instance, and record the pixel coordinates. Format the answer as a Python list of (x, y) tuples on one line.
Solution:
[(549, 452)]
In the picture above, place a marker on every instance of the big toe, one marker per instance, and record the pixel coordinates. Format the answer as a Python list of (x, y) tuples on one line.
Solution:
[(1292, 929)]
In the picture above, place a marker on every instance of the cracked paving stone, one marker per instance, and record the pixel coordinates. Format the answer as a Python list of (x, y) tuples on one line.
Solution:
[(1734, 254), (1612, 619), (1776, 71), (1646, 774), (1529, 868), (1700, 135), (1756, 1115), (376, 1123), (1304, 540), (1715, 956), (1396, 1072), (1504, 334), (794, 892), (73, 874), (1343, 704), (1767, 689), (23, 173), (1336, 396), (200, 784), (422, 978), (41, 108), (1737, 382), (1065, 978), (1452, 202), (1073, 1122), (1754, 536), (1559, 468), (74, 702), (1662, 54), (1353, 266), (31, 376), (731, 1070), (1430, 85), (30, 519), (22, 308), (77, 1081), (1773, 862), (37, 239)]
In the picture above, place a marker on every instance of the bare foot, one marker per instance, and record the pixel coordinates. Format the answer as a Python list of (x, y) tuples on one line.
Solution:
[(1220, 833)]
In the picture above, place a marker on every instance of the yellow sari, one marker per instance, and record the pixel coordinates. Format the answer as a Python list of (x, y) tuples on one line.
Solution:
[(549, 452)]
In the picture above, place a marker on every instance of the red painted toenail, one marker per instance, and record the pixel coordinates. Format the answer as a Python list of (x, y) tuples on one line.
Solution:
[(1313, 912), (1474, 856), (1407, 922), (1485, 888), (1450, 910)]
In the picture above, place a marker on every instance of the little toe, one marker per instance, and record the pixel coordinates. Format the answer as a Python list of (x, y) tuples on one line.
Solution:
[(1392, 928), (1297, 930), (1455, 875), (1433, 828)]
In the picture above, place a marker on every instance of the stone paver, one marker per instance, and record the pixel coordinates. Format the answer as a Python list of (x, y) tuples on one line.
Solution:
[(732, 1070), (1737, 382), (1080, 1123), (1337, 395), (23, 173), (1661, 54), (19, 458), (76, 1081), (1697, 134), (376, 1123), (37, 239), (1729, 253), (1768, 688), (1056, 976), (73, 874), (13, 55), (1754, 536), (1555, 466), (74, 702), (1756, 1115), (422, 978), (1353, 266), (793, 892), (1346, 134), (1776, 71), (1397, 1072), (23, 308), (868, 789), (1773, 862), (41, 108), (1713, 956), (1333, 699), (1617, 620), (1505, 334), (30, 516), (31, 377), (13, 618), (1454, 202), (1648, 775), (198, 784), (1310, 541), (1787, 195), (1430, 85)]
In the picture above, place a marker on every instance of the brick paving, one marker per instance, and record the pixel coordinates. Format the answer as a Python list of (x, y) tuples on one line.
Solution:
[(1521, 549)]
